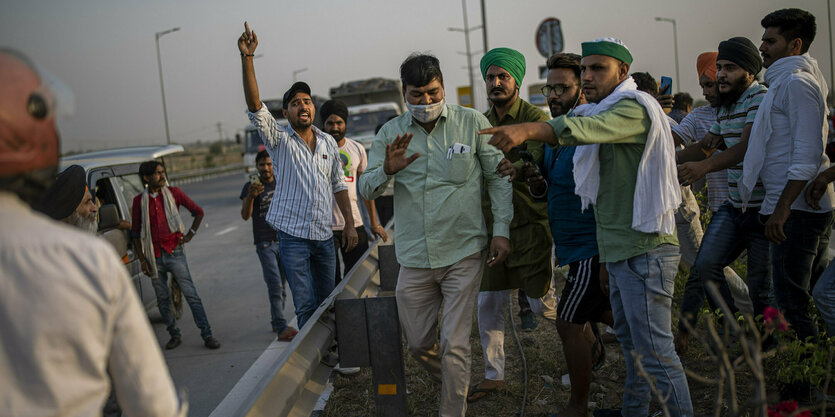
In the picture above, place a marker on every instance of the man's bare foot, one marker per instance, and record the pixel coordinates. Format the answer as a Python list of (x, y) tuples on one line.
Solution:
[(480, 390)]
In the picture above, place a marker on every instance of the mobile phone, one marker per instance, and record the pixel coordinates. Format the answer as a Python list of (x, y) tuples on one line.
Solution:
[(666, 87), (527, 157), (254, 179)]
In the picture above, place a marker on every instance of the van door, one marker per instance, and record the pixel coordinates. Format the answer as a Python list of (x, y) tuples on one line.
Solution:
[(128, 185), (106, 191)]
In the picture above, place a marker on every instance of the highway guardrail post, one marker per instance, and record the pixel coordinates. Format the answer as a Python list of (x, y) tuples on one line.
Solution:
[(372, 323)]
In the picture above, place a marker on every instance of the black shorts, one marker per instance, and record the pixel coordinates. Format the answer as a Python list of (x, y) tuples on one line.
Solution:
[(582, 300)]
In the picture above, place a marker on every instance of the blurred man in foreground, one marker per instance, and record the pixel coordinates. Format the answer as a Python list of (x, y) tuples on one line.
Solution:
[(68, 312)]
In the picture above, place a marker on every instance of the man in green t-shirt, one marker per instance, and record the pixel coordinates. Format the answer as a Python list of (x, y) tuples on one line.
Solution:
[(627, 170)]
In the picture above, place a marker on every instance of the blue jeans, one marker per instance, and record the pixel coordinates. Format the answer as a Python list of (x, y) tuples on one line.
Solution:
[(798, 261), (176, 263), (268, 255), (729, 233), (309, 266), (824, 294), (641, 293)]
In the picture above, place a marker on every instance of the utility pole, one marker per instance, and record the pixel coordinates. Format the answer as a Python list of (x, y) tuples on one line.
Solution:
[(466, 30), (220, 131), (831, 66), (484, 27), (469, 58)]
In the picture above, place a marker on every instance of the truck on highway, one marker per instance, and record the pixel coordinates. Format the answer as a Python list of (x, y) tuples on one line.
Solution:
[(371, 102)]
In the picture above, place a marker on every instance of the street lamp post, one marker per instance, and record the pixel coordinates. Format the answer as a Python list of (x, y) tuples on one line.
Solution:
[(297, 72), (466, 30), (675, 47), (161, 83)]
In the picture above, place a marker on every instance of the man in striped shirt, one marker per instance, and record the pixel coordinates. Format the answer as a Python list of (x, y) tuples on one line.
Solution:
[(731, 229), (693, 128), (309, 176)]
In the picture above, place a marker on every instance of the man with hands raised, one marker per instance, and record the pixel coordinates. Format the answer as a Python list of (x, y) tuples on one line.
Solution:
[(308, 175), (438, 164)]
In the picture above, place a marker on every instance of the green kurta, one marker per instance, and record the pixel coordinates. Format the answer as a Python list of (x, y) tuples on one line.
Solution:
[(622, 134), (528, 266)]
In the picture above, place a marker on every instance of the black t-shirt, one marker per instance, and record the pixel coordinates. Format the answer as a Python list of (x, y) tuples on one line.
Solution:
[(261, 231)]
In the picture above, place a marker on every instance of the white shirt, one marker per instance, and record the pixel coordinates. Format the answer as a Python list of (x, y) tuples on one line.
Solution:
[(68, 314), (354, 160), (305, 181), (796, 145)]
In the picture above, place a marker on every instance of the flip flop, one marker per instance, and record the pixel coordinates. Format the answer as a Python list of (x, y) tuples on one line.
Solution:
[(475, 389)]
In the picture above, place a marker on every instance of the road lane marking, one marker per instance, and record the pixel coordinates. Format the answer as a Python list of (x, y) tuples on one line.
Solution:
[(226, 230)]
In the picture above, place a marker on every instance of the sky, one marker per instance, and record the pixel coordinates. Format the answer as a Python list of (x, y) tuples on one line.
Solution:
[(104, 50)]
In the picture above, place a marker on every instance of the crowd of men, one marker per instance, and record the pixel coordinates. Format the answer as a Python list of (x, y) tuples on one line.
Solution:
[(480, 200)]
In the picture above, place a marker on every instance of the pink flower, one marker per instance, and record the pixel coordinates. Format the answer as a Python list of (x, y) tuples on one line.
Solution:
[(769, 314), (787, 408)]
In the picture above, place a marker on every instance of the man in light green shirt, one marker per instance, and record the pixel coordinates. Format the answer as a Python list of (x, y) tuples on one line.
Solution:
[(439, 229), (641, 265)]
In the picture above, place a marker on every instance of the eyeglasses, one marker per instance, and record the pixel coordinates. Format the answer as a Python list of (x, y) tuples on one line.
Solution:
[(556, 89)]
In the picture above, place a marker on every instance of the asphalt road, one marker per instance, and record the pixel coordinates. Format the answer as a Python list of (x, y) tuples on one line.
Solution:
[(227, 274)]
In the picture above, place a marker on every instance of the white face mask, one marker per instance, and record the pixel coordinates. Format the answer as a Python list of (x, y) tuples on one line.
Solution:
[(426, 113)]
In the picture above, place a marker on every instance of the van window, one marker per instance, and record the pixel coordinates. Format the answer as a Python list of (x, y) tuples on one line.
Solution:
[(104, 193), (130, 186)]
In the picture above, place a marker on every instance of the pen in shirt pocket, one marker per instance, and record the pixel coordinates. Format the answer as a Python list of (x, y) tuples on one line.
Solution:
[(449, 153)]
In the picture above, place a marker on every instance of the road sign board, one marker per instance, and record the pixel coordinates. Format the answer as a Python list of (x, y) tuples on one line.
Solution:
[(549, 37), (465, 96)]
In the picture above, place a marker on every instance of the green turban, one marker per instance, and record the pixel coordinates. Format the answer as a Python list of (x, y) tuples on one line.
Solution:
[(508, 59), (612, 47)]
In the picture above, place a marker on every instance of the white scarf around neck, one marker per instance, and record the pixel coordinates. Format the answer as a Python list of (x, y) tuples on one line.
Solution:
[(776, 76), (657, 193), (172, 216)]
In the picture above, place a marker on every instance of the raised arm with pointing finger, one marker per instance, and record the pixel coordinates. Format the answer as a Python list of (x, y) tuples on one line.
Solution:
[(247, 44), (507, 137), (308, 170)]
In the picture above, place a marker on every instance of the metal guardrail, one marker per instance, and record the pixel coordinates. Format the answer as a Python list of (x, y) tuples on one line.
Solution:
[(196, 175), (289, 382)]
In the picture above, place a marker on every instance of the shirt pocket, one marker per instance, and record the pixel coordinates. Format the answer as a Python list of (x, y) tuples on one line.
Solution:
[(459, 168), (324, 164)]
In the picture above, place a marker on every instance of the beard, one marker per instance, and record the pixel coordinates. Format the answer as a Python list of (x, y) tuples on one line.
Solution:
[(559, 108), (298, 125), (737, 88), (502, 101), (338, 135), (88, 224)]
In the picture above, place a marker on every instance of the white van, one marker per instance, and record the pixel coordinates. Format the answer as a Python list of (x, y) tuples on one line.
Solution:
[(113, 178)]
